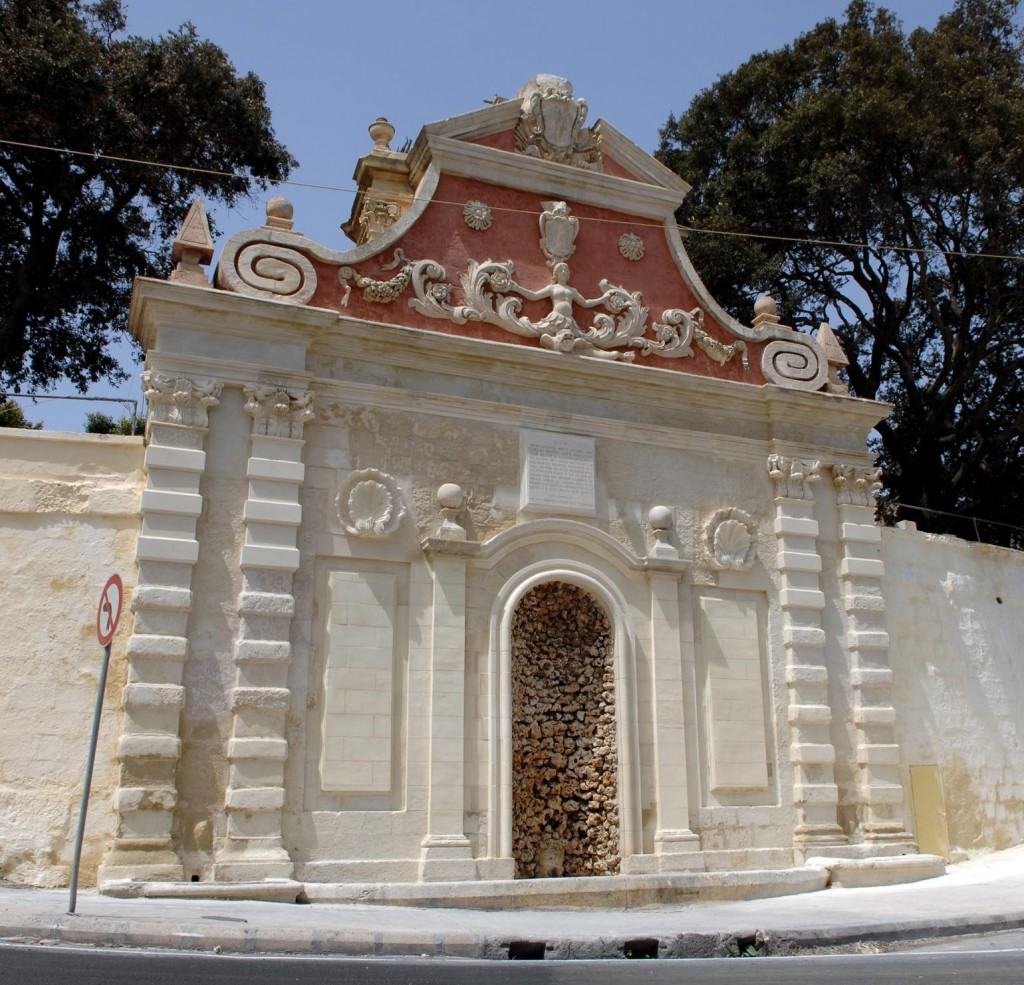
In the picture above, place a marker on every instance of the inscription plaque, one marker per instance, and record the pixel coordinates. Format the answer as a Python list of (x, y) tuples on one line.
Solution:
[(557, 473)]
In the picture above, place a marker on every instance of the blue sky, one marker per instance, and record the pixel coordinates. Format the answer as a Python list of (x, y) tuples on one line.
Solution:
[(331, 67)]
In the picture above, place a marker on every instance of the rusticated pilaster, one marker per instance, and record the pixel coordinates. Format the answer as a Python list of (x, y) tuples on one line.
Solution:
[(150, 745)]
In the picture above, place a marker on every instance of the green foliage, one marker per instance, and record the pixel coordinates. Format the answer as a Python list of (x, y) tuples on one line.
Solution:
[(12, 416), (860, 133), (99, 423), (75, 231)]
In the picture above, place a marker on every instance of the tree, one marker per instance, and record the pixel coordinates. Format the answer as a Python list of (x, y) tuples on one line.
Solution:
[(97, 422), (12, 416), (858, 133), (75, 231)]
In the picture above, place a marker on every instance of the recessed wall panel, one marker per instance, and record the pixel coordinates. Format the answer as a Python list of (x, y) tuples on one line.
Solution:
[(356, 753), (734, 692)]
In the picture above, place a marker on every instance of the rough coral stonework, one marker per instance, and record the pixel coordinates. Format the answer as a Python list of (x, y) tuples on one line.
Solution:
[(565, 810)]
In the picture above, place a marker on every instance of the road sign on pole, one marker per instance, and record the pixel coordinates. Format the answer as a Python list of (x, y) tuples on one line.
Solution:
[(108, 615)]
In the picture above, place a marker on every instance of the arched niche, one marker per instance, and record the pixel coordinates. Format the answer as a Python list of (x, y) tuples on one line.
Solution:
[(603, 590), (565, 797)]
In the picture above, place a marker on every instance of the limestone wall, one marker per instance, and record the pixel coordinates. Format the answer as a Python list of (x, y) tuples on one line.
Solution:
[(68, 519), (956, 612)]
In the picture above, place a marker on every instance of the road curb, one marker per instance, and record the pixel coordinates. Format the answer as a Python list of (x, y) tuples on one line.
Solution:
[(238, 939)]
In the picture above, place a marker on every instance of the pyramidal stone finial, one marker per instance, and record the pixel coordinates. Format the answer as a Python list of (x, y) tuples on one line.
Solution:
[(837, 358), (193, 247)]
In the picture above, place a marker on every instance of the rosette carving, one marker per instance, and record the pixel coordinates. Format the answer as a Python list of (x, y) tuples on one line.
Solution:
[(370, 504), (477, 215), (796, 362), (730, 539)]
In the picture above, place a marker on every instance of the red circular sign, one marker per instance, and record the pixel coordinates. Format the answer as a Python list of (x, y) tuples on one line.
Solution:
[(109, 612)]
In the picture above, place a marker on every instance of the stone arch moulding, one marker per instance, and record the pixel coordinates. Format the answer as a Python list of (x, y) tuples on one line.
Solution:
[(610, 597)]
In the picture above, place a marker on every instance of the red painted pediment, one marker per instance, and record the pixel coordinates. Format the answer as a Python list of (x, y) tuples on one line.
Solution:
[(521, 223)]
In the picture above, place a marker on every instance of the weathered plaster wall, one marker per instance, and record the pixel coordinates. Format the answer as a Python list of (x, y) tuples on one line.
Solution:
[(68, 519), (956, 614)]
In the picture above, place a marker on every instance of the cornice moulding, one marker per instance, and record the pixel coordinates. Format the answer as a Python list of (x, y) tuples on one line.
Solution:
[(475, 124), (634, 158), (190, 307), (512, 170), (319, 330), (228, 372)]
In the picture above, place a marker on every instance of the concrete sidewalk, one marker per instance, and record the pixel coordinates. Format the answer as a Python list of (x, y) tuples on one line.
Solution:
[(976, 896)]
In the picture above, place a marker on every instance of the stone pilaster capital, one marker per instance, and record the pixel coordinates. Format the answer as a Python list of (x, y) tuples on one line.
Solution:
[(793, 477), (856, 485), (180, 399), (276, 411)]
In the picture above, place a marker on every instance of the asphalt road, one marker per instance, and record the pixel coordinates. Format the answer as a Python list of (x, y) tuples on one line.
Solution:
[(83, 966)]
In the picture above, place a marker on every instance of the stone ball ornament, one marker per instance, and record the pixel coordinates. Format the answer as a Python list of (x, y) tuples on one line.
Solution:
[(370, 504), (450, 496), (766, 305), (660, 518), (280, 212)]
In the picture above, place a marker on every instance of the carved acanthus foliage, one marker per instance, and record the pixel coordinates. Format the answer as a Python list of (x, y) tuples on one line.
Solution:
[(376, 216), (793, 477), (551, 125), (277, 412), (370, 504), (492, 295), (179, 399), (730, 539), (334, 412), (856, 485), (720, 352)]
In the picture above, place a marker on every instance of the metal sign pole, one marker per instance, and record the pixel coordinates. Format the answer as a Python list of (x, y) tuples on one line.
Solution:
[(73, 896)]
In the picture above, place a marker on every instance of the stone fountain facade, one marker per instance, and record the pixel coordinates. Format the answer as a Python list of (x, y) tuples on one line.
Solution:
[(493, 548)]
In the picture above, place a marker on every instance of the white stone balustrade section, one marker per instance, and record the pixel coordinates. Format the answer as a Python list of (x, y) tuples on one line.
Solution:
[(809, 714), (880, 791), (150, 746), (253, 847)]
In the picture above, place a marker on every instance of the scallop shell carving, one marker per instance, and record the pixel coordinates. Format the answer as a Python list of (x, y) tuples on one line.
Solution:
[(370, 504), (730, 539)]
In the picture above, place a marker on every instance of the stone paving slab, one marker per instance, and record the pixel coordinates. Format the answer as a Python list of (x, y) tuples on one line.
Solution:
[(977, 896)]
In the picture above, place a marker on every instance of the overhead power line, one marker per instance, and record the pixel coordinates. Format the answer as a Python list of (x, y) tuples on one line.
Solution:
[(740, 234)]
